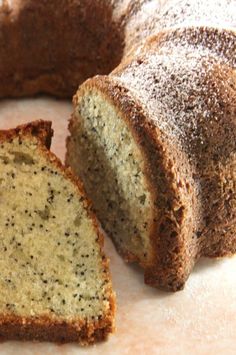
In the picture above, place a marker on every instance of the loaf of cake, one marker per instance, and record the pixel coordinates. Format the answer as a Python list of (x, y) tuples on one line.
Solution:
[(55, 283)]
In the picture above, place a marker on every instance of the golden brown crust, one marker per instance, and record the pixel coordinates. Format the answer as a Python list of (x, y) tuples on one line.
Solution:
[(44, 328), (40, 129), (55, 330)]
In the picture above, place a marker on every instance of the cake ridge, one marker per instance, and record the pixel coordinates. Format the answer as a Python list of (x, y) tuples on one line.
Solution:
[(167, 60)]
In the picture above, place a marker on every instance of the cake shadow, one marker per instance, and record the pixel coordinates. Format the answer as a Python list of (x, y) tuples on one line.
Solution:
[(208, 263)]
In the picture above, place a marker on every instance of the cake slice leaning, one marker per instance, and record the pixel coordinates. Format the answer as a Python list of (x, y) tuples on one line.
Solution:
[(55, 282)]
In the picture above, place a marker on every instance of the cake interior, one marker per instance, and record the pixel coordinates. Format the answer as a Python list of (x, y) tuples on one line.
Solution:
[(50, 259), (103, 152)]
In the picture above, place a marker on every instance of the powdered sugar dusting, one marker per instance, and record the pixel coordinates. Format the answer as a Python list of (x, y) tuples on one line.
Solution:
[(154, 16), (183, 13), (175, 82), (141, 23)]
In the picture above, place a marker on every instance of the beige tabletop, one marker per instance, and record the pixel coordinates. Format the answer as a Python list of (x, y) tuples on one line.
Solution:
[(201, 319)]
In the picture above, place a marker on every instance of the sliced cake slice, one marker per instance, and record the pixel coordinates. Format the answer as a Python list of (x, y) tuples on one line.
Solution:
[(55, 282)]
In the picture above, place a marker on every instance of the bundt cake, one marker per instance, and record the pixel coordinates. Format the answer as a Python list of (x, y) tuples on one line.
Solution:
[(155, 144), (153, 141), (55, 284)]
